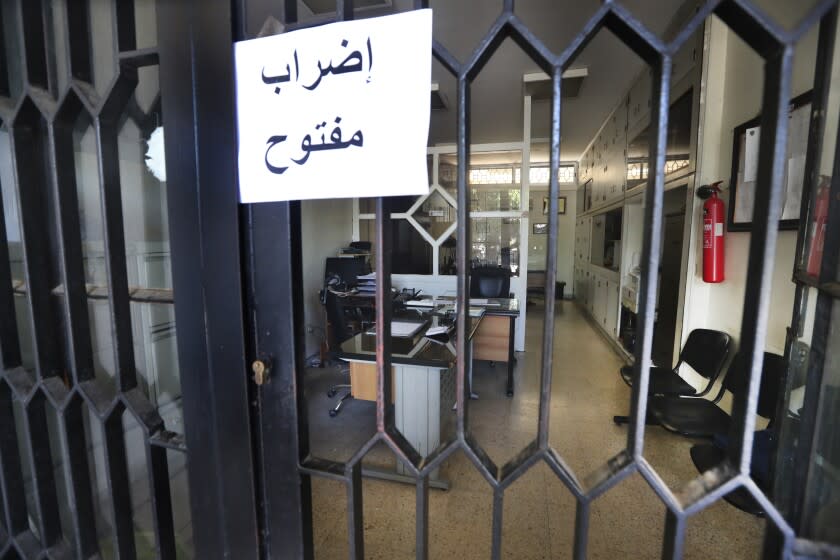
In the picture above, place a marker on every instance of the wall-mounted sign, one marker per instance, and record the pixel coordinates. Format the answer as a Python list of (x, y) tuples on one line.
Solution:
[(336, 111)]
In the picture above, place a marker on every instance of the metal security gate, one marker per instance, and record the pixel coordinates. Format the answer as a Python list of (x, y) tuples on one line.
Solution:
[(249, 463)]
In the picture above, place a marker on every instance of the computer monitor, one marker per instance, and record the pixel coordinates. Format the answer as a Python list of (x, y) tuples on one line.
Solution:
[(347, 269)]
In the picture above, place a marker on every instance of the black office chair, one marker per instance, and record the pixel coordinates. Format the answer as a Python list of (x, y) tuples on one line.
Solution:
[(706, 456), (340, 274), (490, 282), (341, 329), (705, 351), (704, 418)]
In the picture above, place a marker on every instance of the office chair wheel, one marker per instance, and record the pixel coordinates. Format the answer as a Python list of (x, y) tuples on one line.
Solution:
[(510, 393), (331, 393), (337, 408)]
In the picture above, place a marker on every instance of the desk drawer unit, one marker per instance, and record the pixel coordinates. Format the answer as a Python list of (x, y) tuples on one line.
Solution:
[(363, 381), (492, 340)]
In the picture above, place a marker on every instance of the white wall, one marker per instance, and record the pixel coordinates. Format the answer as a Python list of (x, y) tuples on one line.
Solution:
[(733, 75), (326, 227), (565, 236)]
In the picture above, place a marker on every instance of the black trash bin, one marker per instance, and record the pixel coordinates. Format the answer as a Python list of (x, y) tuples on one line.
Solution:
[(559, 288)]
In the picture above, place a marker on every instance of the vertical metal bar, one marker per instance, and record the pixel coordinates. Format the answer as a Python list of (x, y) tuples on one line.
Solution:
[(355, 512), (766, 214), (115, 256), (35, 57), (811, 429), (344, 10), (80, 492), (511, 355), (672, 544), (11, 475), (273, 264), (271, 240), (75, 301), (384, 412), (119, 485), (422, 518), (29, 162), (161, 501), (462, 256), (290, 14), (498, 511), (774, 543), (661, 83), (816, 133), (125, 27), (204, 233), (550, 262), (46, 498), (581, 529), (4, 57), (9, 341), (78, 26)]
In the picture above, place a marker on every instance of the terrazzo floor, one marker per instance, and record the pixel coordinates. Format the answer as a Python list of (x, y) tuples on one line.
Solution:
[(539, 513)]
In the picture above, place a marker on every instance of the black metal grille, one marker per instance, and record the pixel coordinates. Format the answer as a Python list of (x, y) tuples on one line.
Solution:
[(775, 45), (41, 103), (56, 412)]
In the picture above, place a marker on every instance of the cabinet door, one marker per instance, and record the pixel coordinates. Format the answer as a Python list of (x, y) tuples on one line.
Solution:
[(600, 308), (612, 308), (684, 60), (639, 102)]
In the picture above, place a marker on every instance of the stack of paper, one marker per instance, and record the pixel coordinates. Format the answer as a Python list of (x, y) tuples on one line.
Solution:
[(476, 312), (438, 334), (366, 283), (402, 329), (483, 302)]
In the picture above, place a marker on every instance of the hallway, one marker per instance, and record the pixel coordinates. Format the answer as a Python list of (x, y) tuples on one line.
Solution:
[(538, 520)]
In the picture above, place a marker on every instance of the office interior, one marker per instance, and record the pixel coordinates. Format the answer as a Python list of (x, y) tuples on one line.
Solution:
[(603, 179)]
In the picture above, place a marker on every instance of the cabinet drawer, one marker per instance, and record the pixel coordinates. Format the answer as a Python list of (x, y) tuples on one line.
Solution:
[(492, 339), (363, 381)]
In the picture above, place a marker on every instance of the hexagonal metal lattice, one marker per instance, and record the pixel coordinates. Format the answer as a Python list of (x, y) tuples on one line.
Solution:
[(40, 104)]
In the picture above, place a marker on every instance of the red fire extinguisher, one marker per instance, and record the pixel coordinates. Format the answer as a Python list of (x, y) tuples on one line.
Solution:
[(713, 240), (818, 225)]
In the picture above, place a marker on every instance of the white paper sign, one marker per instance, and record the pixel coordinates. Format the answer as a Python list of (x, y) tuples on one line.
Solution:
[(336, 111)]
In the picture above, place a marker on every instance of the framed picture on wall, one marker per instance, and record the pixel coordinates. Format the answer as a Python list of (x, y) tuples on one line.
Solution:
[(743, 180), (561, 205), (540, 229)]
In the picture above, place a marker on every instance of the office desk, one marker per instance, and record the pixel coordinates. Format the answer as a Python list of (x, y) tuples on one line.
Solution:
[(494, 340), (495, 336), (423, 373), (423, 385)]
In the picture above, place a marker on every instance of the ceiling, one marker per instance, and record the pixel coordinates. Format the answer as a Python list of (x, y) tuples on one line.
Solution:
[(496, 94)]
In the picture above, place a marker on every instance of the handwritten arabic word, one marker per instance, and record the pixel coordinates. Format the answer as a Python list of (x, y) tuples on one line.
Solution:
[(306, 145), (352, 63)]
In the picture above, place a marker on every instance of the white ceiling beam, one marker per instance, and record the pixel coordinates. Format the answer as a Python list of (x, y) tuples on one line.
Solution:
[(581, 72)]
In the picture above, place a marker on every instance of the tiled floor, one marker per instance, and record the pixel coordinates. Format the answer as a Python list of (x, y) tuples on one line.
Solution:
[(538, 519)]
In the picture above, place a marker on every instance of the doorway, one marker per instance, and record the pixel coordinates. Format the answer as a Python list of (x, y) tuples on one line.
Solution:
[(665, 331)]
